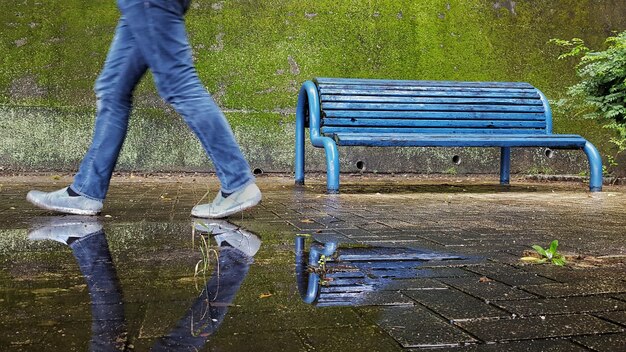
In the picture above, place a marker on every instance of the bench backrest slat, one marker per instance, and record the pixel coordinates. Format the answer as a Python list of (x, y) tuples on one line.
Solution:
[(433, 123), (444, 115), (381, 106), (329, 130), (430, 92), (404, 83)]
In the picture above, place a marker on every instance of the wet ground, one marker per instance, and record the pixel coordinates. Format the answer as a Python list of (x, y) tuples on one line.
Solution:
[(390, 264)]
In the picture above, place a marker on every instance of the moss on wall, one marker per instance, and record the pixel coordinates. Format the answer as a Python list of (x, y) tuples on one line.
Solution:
[(253, 56)]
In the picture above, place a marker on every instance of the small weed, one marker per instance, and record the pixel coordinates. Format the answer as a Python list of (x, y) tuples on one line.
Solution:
[(543, 170), (321, 270), (203, 270), (203, 266), (546, 255), (322, 263), (450, 171)]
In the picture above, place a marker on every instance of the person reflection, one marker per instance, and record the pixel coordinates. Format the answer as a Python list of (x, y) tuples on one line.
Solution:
[(85, 236), (237, 248)]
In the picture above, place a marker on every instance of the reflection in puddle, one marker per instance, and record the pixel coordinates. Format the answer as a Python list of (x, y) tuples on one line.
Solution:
[(85, 236), (332, 274)]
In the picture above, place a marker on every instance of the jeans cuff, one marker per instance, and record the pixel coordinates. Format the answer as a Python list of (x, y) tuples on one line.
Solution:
[(249, 182), (85, 195)]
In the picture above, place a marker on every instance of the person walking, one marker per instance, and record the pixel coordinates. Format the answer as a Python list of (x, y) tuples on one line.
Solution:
[(151, 34)]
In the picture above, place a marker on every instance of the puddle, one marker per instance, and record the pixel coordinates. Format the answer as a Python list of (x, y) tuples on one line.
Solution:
[(227, 252), (336, 274)]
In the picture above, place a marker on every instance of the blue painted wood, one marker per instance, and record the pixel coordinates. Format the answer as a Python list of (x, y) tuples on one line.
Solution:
[(430, 100), (445, 115), (398, 113), (358, 122), (372, 131), (366, 82), (432, 107), (458, 141), (505, 165), (430, 92)]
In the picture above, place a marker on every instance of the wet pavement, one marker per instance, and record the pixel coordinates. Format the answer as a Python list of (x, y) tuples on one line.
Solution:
[(390, 264)]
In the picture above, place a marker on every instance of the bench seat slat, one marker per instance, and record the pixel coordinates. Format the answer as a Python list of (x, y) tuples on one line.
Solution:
[(431, 107), (330, 131), (429, 100), (433, 92), (446, 115), (456, 140), (401, 83), (360, 122)]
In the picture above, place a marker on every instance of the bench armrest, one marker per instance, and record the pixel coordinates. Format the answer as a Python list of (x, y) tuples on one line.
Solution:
[(309, 101)]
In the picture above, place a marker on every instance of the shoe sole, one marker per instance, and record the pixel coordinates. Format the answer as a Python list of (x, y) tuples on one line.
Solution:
[(237, 209), (61, 209)]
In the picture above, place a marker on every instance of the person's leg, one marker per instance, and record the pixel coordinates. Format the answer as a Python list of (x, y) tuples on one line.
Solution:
[(123, 69), (159, 29), (108, 324), (85, 236), (208, 311)]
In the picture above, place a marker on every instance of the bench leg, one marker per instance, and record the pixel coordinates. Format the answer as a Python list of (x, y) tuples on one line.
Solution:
[(299, 162), (332, 165), (308, 282), (595, 167), (505, 165)]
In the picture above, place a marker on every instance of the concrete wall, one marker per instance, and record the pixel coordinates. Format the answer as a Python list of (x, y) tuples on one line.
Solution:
[(254, 55)]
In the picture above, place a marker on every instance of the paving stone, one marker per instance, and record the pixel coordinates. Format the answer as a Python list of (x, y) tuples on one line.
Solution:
[(238, 319), (576, 276), (616, 317), (444, 273), (589, 287), (444, 239), (487, 290), (548, 345), (455, 305), (538, 327), (372, 225), (604, 343), (160, 317), (22, 334), (364, 339), (415, 284), (75, 337), (276, 341), (567, 305), (354, 232), (621, 297), (510, 275), (149, 238), (416, 327), (372, 298)]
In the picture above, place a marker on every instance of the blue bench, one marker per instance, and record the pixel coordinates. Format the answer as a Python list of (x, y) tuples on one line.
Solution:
[(348, 276), (392, 113)]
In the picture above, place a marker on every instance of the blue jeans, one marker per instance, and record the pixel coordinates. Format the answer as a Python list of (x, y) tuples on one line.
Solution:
[(151, 35)]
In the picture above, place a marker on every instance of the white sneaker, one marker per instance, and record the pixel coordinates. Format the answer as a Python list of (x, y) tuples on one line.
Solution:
[(62, 202), (61, 228), (236, 237), (221, 207)]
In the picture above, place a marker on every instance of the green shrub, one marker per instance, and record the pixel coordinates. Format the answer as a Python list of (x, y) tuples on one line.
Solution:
[(601, 92)]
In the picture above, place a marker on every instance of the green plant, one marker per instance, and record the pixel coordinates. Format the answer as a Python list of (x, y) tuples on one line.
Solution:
[(546, 255), (601, 92), (203, 266), (202, 269), (450, 171)]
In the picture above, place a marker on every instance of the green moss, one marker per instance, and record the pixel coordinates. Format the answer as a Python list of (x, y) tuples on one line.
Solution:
[(253, 57)]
